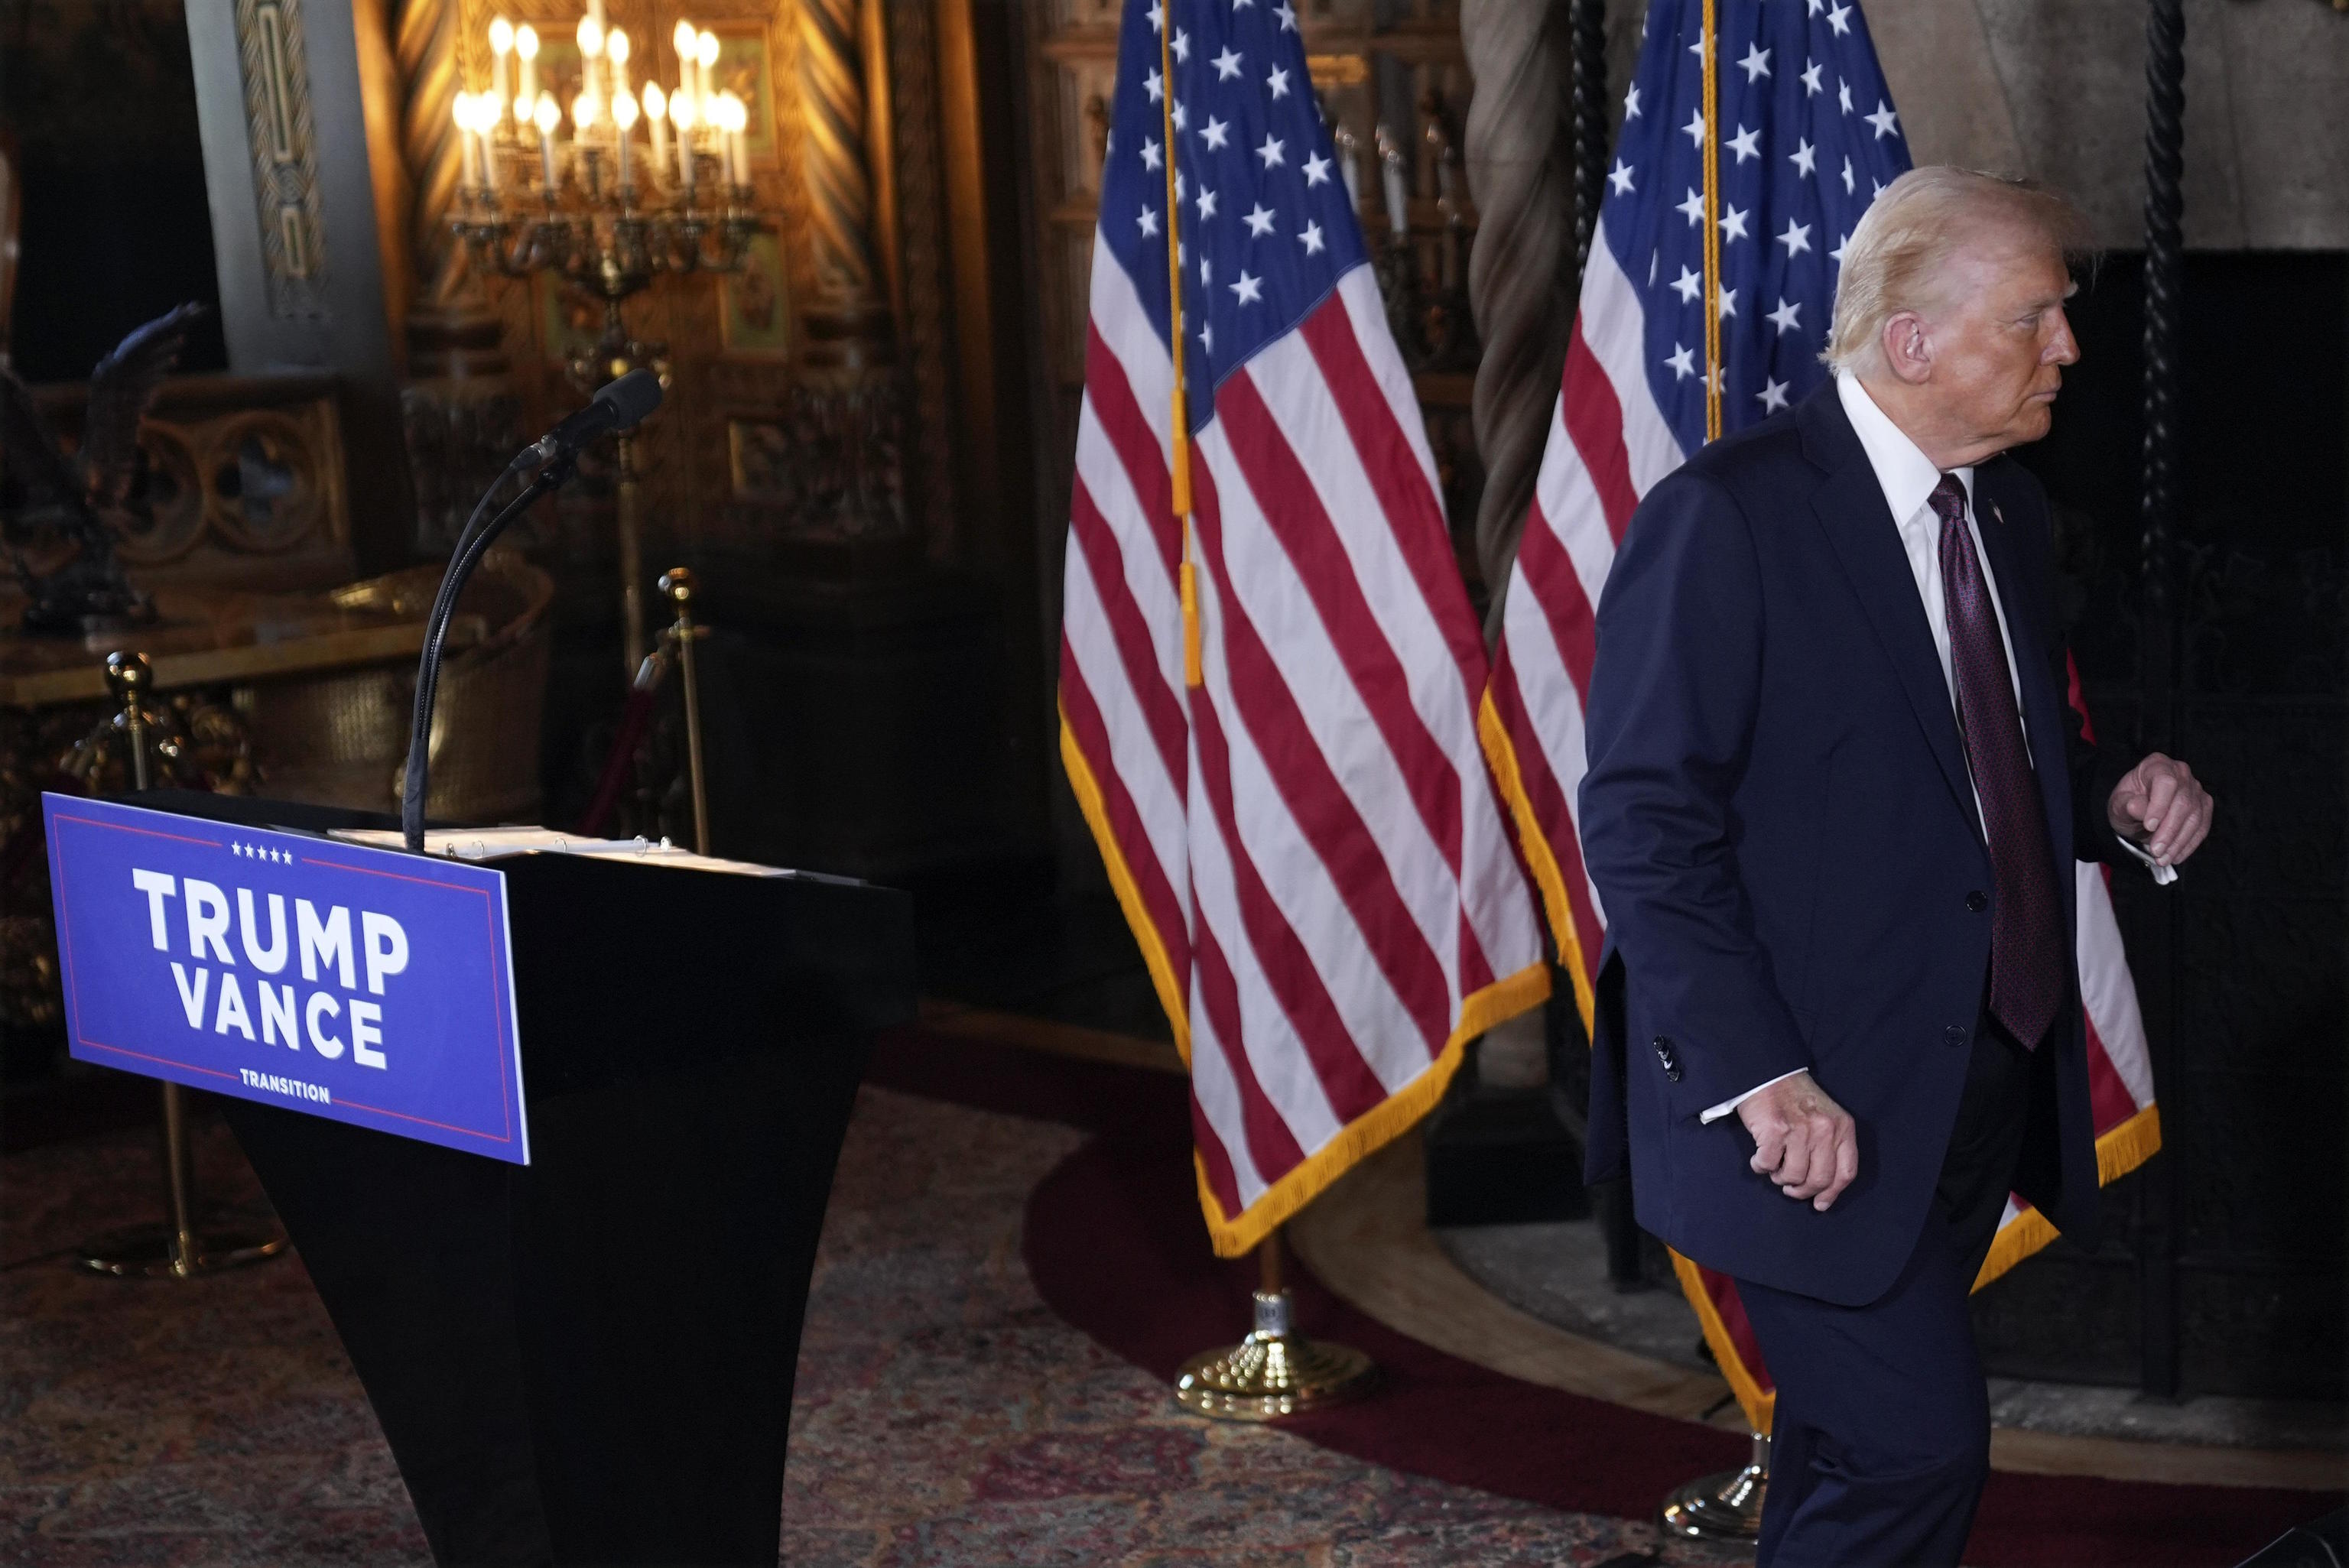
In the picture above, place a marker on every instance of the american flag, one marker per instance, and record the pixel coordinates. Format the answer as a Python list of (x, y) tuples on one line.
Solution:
[(1307, 845), (1802, 138)]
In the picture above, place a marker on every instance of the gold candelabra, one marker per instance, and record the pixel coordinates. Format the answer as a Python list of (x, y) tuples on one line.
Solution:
[(605, 210)]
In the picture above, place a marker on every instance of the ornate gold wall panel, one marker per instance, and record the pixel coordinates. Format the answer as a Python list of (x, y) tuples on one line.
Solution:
[(284, 155)]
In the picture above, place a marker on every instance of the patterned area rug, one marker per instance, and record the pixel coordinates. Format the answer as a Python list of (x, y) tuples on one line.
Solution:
[(945, 1414)]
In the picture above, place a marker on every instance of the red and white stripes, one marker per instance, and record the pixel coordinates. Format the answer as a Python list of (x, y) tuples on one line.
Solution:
[(1309, 846)]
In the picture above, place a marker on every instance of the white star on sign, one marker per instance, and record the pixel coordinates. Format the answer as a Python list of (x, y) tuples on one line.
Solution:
[(1154, 85), (1772, 396), (1745, 144), (1756, 63), (1207, 338), (1838, 19), (1843, 96), (1843, 245), (1805, 157), (1688, 286), (1732, 226), (1311, 238), (1811, 78), (1287, 16), (1682, 362), (1182, 185), (1279, 83), (1816, 7), (1797, 239), (1242, 5), (1884, 121), (1728, 304), (1693, 209), (1206, 203), (1317, 171), (1149, 222), (1697, 48), (1151, 156), (1786, 317), (1181, 115), (1248, 289), (1694, 128), (1157, 19), (1846, 177), (1619, 177), (1632, 104), (1228, 65), (1182, 46), (1215, 133), (1259, 222), (1207, 270), (1270, 151)]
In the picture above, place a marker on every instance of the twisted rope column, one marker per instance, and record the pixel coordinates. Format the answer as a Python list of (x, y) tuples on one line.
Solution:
[(840, 186), (1517, 272), (424, 43), (1589, 123), (2157, 947)]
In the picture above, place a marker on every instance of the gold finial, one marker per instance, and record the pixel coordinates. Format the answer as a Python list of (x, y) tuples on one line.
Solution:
[(677, 586), (128, 677)]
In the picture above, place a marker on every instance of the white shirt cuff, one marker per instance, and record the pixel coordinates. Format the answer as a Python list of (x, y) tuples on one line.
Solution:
[(1727, 1106), (2162, 875)]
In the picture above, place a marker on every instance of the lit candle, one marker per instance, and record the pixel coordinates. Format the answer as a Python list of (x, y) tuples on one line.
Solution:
[(616, 49), (705, 54), (489, 108), (1350, 166), (683, 111), (546, 117), (470, 142), (595, 10), (501, 43), (731, 118), (526, 95), (686, 41), (591, 45), (657, 123), (1392, 175), (624, 120)]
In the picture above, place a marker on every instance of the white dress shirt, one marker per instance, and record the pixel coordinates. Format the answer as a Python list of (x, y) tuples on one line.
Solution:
[(1907, 478)]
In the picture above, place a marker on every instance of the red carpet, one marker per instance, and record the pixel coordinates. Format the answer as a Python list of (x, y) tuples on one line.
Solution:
[(1116, 1247)]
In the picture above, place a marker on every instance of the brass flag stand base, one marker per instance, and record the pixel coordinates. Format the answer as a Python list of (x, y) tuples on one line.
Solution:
[(1274, 1371), (1724, 1507), (175, 1249)]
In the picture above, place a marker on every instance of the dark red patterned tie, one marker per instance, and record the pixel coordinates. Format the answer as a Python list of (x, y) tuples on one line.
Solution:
[(2026, 933)]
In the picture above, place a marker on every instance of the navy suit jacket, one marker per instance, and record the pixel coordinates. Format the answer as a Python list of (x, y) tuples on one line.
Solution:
[(1780, 823)]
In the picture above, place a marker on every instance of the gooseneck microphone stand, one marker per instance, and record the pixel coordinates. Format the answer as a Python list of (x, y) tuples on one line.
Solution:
[(472, 545)]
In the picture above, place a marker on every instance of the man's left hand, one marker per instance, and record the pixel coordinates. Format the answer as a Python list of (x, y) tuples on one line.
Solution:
[(2162, 808)]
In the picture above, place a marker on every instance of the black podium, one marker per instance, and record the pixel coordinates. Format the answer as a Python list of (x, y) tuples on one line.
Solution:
[(588, 1359)]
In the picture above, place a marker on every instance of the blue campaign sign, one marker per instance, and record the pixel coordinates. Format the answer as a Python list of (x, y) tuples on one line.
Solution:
[(363, 985)]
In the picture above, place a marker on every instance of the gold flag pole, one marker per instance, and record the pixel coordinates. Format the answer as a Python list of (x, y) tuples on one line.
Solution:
[(175, 1249), (1274, 1371), (1194, 668), (1725, 1506)]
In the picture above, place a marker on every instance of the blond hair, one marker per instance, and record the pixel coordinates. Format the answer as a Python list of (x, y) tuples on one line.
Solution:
[(1914, 226)]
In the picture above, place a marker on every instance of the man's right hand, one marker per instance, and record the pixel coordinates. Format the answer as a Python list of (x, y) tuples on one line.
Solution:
[(1803, 1140)]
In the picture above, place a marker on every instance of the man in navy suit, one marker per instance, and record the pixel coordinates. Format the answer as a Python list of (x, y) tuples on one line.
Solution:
[(1834, 795)]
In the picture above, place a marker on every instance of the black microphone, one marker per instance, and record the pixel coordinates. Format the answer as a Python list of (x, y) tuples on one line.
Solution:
[(619, 404)]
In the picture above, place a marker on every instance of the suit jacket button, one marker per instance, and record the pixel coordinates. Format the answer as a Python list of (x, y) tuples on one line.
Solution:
[(1956, 1034), (1976, 902)]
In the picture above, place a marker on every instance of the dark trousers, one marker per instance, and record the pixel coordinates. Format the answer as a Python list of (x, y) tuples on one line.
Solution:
[(1880, 1444)]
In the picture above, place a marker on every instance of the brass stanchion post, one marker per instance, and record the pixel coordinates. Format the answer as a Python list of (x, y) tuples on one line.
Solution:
[(1723, 1507), (175, 1249), (632, 564), (677, 586), (1274, 1371)]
